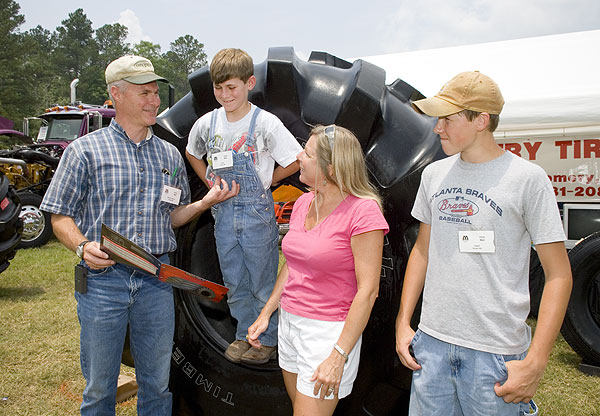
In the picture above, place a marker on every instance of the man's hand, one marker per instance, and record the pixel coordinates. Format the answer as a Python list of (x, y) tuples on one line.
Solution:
[(95, 258), (220, 192), (523, 379), (404, 336)]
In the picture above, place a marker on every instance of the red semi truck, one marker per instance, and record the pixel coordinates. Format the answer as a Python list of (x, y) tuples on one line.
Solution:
[(30, 167)]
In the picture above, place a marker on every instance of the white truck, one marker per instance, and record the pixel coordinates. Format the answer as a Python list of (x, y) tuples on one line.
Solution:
[(567, 146), (552, 118)]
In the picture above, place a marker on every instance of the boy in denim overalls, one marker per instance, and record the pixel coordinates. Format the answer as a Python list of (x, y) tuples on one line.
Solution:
[(243, 144)]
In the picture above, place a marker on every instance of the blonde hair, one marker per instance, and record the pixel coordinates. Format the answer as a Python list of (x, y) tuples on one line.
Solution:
[(347, 161), (231, 63)]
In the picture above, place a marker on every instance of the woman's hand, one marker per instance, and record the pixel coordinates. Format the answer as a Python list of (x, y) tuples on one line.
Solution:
[(258, 327), (328, 375), (262, 322)]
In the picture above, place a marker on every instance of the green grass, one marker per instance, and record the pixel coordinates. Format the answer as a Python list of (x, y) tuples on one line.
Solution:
[(39, 346), (39, 336), (564, 390)]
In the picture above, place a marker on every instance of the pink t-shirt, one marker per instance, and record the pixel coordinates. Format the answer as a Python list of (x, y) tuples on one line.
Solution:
[(322, 283)]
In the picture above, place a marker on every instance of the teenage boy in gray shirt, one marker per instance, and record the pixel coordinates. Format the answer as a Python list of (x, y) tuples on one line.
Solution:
[(480, 209)]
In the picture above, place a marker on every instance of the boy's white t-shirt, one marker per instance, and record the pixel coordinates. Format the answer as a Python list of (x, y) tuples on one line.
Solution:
[(480, 300), (274, 142)]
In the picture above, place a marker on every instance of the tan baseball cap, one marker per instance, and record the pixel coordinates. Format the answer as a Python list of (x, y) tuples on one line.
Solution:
[(131, 68), (467, 91)]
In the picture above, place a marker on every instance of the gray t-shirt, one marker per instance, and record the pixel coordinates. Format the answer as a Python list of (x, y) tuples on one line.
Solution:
[(274, 143), (473, 299)]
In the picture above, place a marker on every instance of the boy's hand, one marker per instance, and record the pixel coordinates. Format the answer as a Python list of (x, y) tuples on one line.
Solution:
[(404, 336), (220, 192), (522, 382)]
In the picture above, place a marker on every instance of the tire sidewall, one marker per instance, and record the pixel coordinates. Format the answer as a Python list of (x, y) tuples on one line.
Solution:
[(580, 329), (10, 223)]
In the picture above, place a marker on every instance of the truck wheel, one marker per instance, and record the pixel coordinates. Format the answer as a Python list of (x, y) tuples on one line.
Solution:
[(37, 228), (201, 378), (398, 143), (581, 327), (10, 223), (536, 283)]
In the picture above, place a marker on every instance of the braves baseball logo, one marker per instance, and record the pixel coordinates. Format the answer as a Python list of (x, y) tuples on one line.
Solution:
[(458, 207)]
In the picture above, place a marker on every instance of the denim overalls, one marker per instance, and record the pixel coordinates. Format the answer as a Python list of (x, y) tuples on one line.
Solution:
[(247, 239)]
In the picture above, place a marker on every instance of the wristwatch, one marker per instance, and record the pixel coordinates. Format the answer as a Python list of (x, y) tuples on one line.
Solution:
[(79, 249)]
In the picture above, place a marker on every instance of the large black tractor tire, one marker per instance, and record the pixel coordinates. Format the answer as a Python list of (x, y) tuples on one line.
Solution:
[(537, 280), (10, 223), (398, 143), (581, 327), (37, 228)]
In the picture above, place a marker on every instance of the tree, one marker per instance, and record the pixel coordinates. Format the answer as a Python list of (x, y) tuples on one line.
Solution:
[(148, 50), (10, 20), (111, 43), (11, 56), (185, 56), (75, 43), (40, 72), (37, 66), (187, 53)]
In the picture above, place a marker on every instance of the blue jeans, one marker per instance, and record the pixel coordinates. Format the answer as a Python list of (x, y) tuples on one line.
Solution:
[(116, 296), (247, 243), (459, 381)]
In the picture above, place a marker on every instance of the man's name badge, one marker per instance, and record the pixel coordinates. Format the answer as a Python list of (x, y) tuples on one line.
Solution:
[(171, 195), (476, 242), (222, 160)]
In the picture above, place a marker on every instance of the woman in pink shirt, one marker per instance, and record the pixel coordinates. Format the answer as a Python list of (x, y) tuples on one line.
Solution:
[(330, 281)]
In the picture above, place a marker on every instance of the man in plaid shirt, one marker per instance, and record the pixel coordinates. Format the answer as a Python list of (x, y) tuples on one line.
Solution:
[(134, 182)]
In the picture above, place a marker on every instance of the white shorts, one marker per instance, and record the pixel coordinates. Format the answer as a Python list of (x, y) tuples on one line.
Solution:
[(304, 343)]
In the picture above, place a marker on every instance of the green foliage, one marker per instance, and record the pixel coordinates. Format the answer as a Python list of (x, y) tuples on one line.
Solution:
[(111, 43), (10, 20), (186, 56), (7, 142), (38, 65), (41, 72), (75, 43), (10, 57), (147, 50), (187, 52)]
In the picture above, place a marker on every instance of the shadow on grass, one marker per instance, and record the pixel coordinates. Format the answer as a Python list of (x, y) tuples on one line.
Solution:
[(570, 358), (20, 292)]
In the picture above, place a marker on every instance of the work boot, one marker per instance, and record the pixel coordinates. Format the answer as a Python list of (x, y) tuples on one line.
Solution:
[(236, 349), (260, 355)]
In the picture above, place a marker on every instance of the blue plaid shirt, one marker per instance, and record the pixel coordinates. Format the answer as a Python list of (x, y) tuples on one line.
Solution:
[(104, 177)]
